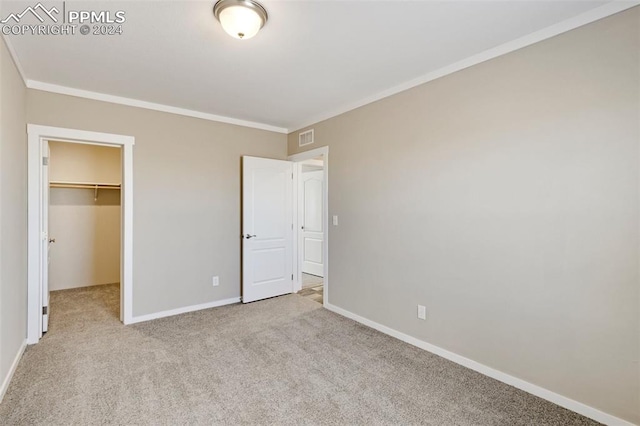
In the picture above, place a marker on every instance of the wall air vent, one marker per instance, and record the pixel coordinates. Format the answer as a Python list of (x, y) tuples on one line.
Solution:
[(305, 138)]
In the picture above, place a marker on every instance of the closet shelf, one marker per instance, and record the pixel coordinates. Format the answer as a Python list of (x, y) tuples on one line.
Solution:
[(83, 185)]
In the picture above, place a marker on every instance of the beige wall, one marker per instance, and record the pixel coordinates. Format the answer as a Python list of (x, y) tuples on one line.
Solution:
[(13, 212), (505, 198), (186, 183), (72, 162), (86, 230)]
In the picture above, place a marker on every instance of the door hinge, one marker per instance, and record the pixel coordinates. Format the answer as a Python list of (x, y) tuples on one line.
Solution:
[(291, 176), (45, 310), (45, 161), (291, 277)]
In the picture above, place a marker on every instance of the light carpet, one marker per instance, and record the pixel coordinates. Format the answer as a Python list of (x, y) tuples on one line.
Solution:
[(282, 361)]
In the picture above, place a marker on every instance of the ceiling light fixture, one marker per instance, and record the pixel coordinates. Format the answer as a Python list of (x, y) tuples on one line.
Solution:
[(240, 18)]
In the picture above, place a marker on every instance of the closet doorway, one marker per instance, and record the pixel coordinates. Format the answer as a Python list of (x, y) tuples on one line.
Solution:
[(84, 231), (41, 242)]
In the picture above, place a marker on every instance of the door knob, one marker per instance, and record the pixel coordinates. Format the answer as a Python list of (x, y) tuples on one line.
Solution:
[(249, 236)]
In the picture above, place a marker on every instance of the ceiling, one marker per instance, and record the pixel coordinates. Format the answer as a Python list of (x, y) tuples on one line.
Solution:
[(312, 59)]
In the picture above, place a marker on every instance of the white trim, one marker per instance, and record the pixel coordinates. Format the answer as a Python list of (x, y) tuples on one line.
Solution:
[(12, 370), (14, 56), (70, 91), (82, 136), (536, 390), (36, 134), (184, 310), (535, 37), (126, 252), (297, 264)]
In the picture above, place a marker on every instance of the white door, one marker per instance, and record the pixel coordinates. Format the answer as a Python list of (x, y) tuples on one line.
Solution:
[(267, 228), (312, 229), (46, 242)]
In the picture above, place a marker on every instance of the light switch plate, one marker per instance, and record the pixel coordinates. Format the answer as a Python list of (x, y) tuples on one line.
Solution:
[(335, 220)]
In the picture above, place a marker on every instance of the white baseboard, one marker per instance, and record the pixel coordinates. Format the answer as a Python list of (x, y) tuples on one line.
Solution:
[(178, 311), (536, 390), (12, 370)]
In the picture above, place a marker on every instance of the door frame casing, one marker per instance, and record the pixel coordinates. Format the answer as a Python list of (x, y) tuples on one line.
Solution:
[(297, 264), (37, 134)]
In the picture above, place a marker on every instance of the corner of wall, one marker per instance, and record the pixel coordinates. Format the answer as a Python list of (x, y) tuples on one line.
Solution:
[(13, 230), (6, 381)]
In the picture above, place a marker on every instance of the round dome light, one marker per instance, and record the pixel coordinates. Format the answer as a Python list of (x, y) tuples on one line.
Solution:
[(241, 19)]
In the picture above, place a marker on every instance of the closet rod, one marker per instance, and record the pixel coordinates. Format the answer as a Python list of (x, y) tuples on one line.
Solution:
[(83, 186)]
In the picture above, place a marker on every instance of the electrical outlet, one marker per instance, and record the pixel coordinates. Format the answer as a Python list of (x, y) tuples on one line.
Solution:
[(422, 312), (216, 281)]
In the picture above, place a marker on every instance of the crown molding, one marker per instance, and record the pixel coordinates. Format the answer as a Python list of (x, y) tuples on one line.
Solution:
[(70, 91), (546, 33), (14, 56), (535, 37)]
